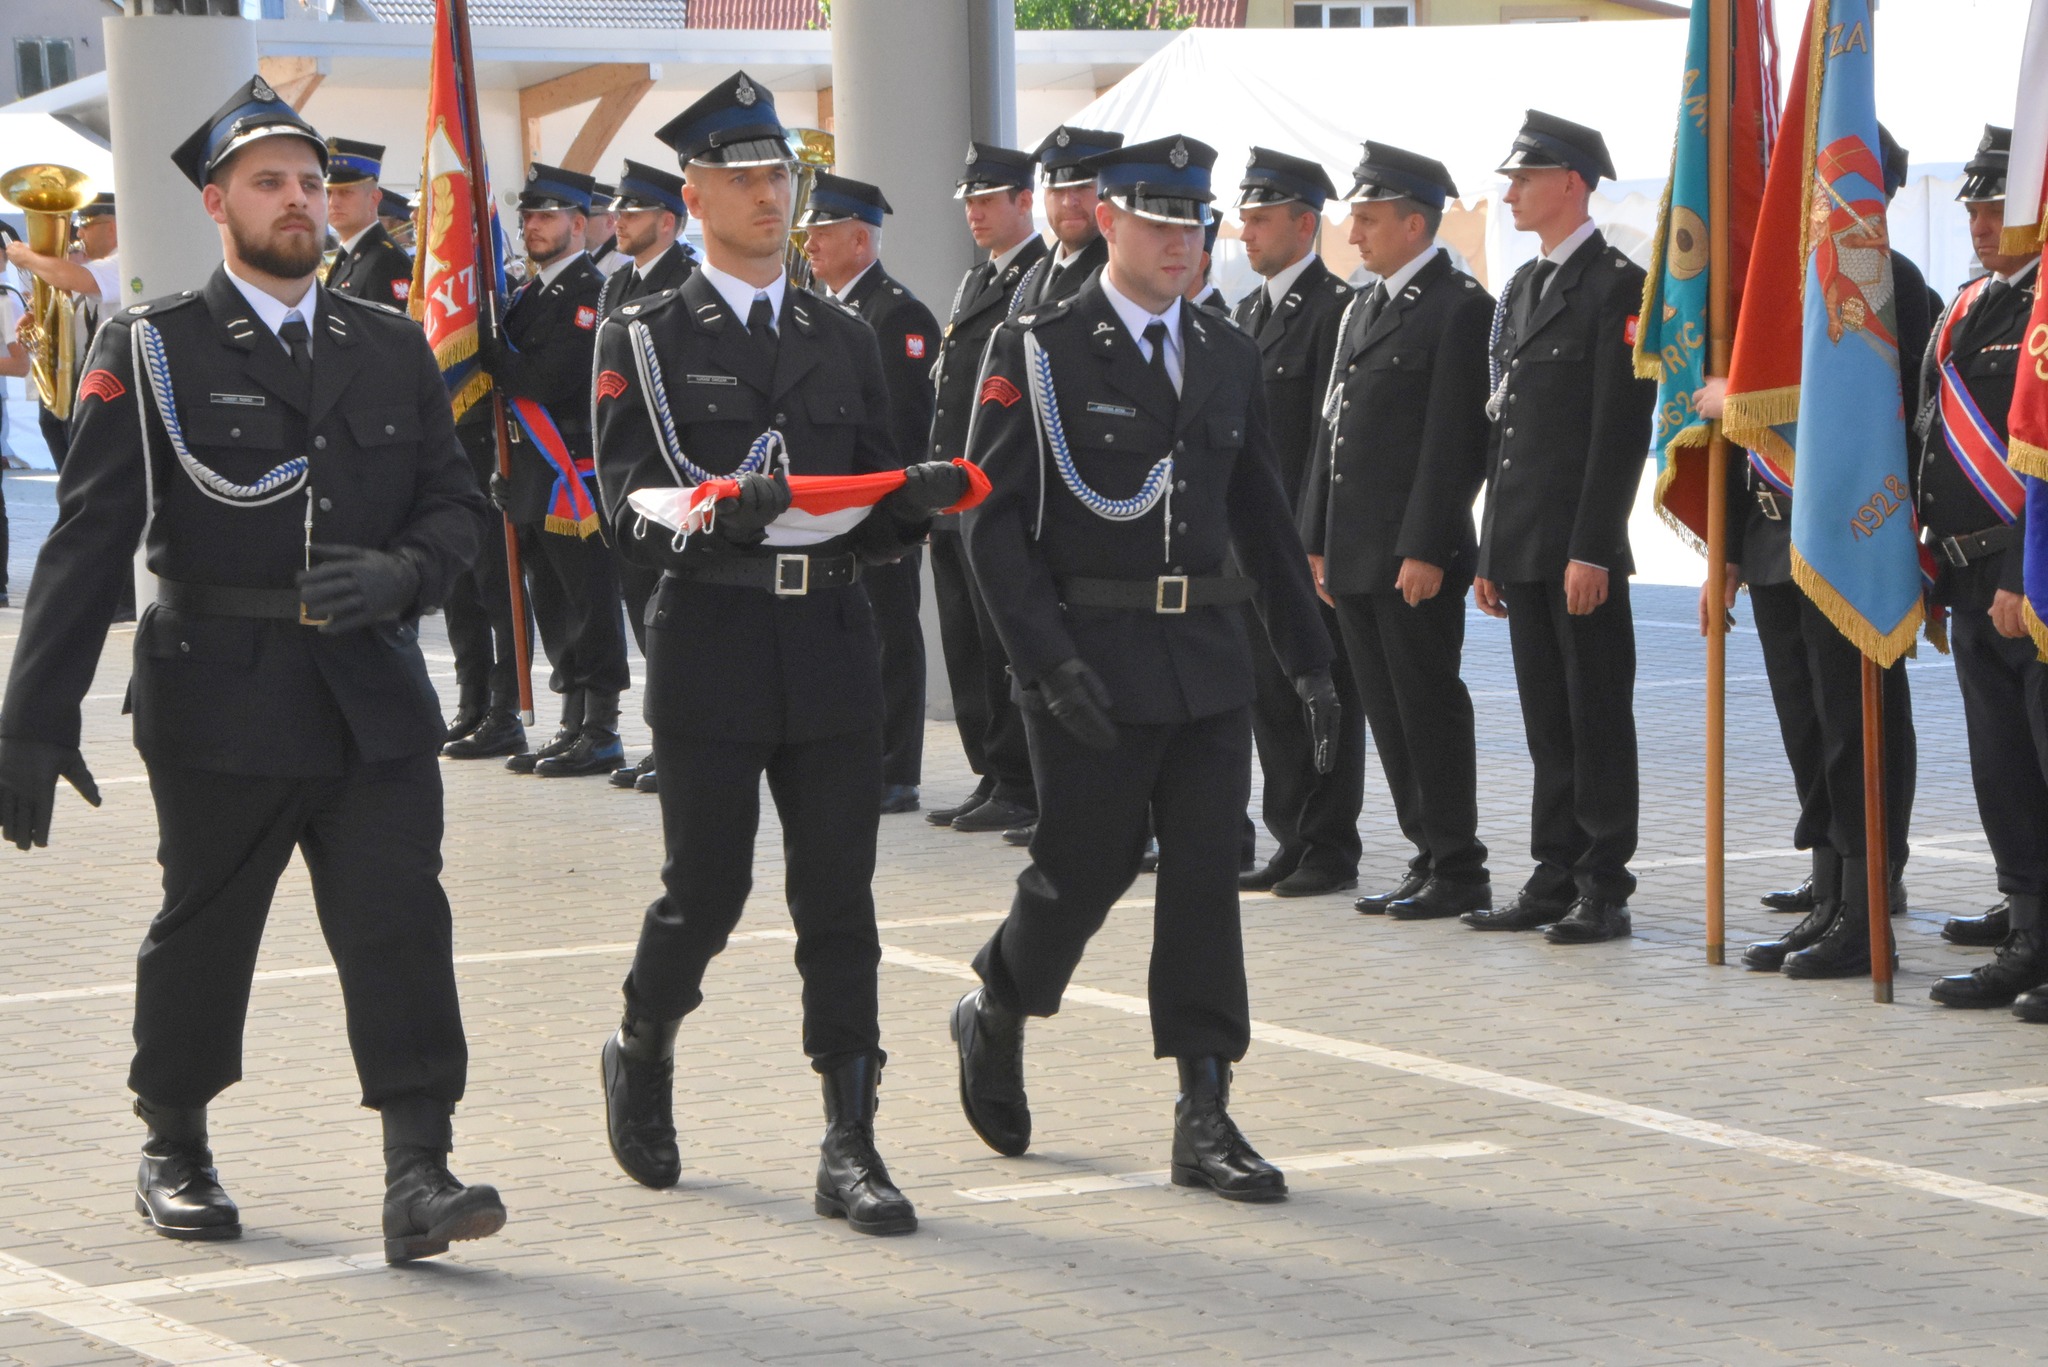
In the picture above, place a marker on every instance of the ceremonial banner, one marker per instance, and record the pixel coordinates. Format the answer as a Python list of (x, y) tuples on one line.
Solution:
[(694, 509), (2026, 230), (1855, 550), (2026, 184), (1671, 344), (445, 289)]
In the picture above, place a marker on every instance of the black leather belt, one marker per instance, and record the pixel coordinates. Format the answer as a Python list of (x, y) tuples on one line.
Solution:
[(1961, 550), (1773, 504), (222, 600), (785, 576), (1169, 593)]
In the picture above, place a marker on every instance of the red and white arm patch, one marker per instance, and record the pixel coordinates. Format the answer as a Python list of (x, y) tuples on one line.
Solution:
[(996, 389), (586, 317), (610, 384), (913, 346), (401, 290), (1630, 329), (102, 385)]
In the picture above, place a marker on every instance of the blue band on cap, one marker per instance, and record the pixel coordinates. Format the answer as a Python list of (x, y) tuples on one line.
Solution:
[(1294, 187), (736, 123), (648, 192), (828, 204), (1417, 188), (349, 161), (224, 130), (1575, 158), (1158, 178), (554, 189)]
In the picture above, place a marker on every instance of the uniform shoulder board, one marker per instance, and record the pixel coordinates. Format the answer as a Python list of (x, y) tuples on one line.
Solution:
[(1339, 288), (1470, 283), (368, 304), (1046, 313), (644, 305), (163, 305)]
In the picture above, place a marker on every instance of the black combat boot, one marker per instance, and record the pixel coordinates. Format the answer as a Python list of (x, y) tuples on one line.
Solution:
[(469, 715), (177, 1189), (853, 1183), (425, 1207), (2020, 967), (1984, 931), (991, 1043), (597, 748), (565, 736), (1208, 1150), (1843, 951), (639, 1066), (1825, 890), (497, 733)]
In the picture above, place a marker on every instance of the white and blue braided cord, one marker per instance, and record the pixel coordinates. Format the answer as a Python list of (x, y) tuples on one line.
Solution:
[(649, 365), (281, 482), (1158, 484)]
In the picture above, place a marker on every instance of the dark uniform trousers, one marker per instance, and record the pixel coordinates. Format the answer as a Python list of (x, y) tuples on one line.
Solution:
[(479, 607), (2005, 709), (978, 672), (1179, 684), (895, 590), (743, 683), (1313, 816), (262, 736), (574, 585)]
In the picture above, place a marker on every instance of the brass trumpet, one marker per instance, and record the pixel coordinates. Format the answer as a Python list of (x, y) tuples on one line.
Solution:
[(814, 153), (48, 195)]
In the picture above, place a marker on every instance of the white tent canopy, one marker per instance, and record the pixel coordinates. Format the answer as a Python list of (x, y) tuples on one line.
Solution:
[(26, 138)]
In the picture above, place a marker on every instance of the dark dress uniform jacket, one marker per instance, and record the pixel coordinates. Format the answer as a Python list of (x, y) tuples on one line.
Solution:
[(377, 270), (1049, 285), (981, 302), (732, 661), (671, 269), (1295, 347), (1988, 352), (553, 330), (1412, 392), (243, 695), (908, 335), (1574, 430), (1120, 418)]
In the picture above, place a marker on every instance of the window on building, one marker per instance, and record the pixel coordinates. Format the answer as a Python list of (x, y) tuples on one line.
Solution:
[(1330, 14), (41, 64)]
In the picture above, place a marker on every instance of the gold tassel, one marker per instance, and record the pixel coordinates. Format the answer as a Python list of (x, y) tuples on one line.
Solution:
[(1885, 647), (2023, 241), (2037, 629), (2027, 459), (569, 526), (1669, 476), (1650, 361), (1749, 418)]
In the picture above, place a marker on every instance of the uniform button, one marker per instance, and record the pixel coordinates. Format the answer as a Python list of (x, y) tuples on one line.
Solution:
[(783, 417), (1109, 436), (389, 430), (319, 443), (1347, 403), (1513, 397), (326, 505), (184, 647), (1505, 462), (842, 413), (1397, 360), (1510, 432), (1336, 479), (935, 448), (710, 408), (942, 412), (1180, 486), (234, 431), (1180, 569), (1181, 528), (1340, 441), (1353, 366), (1279, 370)]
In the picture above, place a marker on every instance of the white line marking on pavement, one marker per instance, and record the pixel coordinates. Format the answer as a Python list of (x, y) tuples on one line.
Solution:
[(1565, 1099), (28, 1289), (1920, 846), (1991, 1101), (1086, 1184)]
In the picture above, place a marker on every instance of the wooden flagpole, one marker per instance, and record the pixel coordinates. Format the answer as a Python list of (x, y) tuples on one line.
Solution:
[(1876, 844), (1720, 346), (487, 317)]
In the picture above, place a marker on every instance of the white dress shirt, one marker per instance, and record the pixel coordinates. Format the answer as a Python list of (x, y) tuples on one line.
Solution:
[(1398, 281), (1136, 319), (739, 296), (272, 311), (1278, 284)]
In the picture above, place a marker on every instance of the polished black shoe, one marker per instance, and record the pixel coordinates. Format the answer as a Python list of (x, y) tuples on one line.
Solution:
[(648, 782), (594, 752), (639, 1067), (991, 1044), (945, 816), (177, 1188), (1268, 875), (1527, 912), (853, 1182), (898, 798), (994, 815), (566, 735), (1148, 862), (1437, 899), (1312, 882), (1768, 956), (426, 1208), (1791, 899), (1591, 921), (2021, 966), (628, 776), (1021, 836), (1208, 1149), (2032, 1007), (499, 733), (1377, 903), (1981, 932), (1844, 951), (468, 717)]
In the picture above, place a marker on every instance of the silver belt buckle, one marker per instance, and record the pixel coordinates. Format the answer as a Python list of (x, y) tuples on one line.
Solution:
[(1767, 503), (800, 584), (1176, 602), (1953, 552)]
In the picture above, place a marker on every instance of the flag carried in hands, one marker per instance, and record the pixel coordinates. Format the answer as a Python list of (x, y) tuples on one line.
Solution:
[(2026, 230)]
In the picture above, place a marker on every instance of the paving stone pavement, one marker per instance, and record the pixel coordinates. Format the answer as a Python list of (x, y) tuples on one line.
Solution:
[(1506, 1152)]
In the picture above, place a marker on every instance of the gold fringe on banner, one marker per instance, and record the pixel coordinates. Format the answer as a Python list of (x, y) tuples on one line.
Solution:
[(569, 526), (2023, 457), (2037, 629), (1885, 647), (2025, 240), (1749, 418), (1650, 360), (1693, 439)]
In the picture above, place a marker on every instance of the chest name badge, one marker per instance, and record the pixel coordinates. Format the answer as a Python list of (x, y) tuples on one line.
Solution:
[(1113, 410), (711, 379), (240, 400)]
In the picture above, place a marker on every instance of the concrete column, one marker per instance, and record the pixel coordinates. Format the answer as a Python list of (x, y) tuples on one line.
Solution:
[(165, 74)]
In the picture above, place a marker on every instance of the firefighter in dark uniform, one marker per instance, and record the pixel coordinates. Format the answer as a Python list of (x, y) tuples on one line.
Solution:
[(1816, 679), (995, 192), (1386, 515), (255, 427), (544, 356), (1069, 200), (370, 265), (651, 219), (1203, 293), (1973, 518), (395, 212), (762, 655), (1125, 435), (603, 229), (1293, 315), (843, 223), (1571, 430)]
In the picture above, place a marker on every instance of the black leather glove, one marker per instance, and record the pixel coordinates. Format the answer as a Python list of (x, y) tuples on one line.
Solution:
[(928, 487), (761, 499), (1319, 697), (493, 353), (500, 492), (29, 770), (354, 586), (1079, 701)]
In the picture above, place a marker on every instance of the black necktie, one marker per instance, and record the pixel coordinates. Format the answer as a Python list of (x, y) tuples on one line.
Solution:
[(1532, 293), (1262, 309), (631, 286), (1155, 337), (299, 343), (761, 323), (1375, 304)]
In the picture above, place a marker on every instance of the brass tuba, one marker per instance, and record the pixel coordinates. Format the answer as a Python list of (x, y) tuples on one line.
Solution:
[(47, 196), (814, 153)]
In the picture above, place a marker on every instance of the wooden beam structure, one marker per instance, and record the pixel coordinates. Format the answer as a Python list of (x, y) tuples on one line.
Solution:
[(293, 78), (617, 87)]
